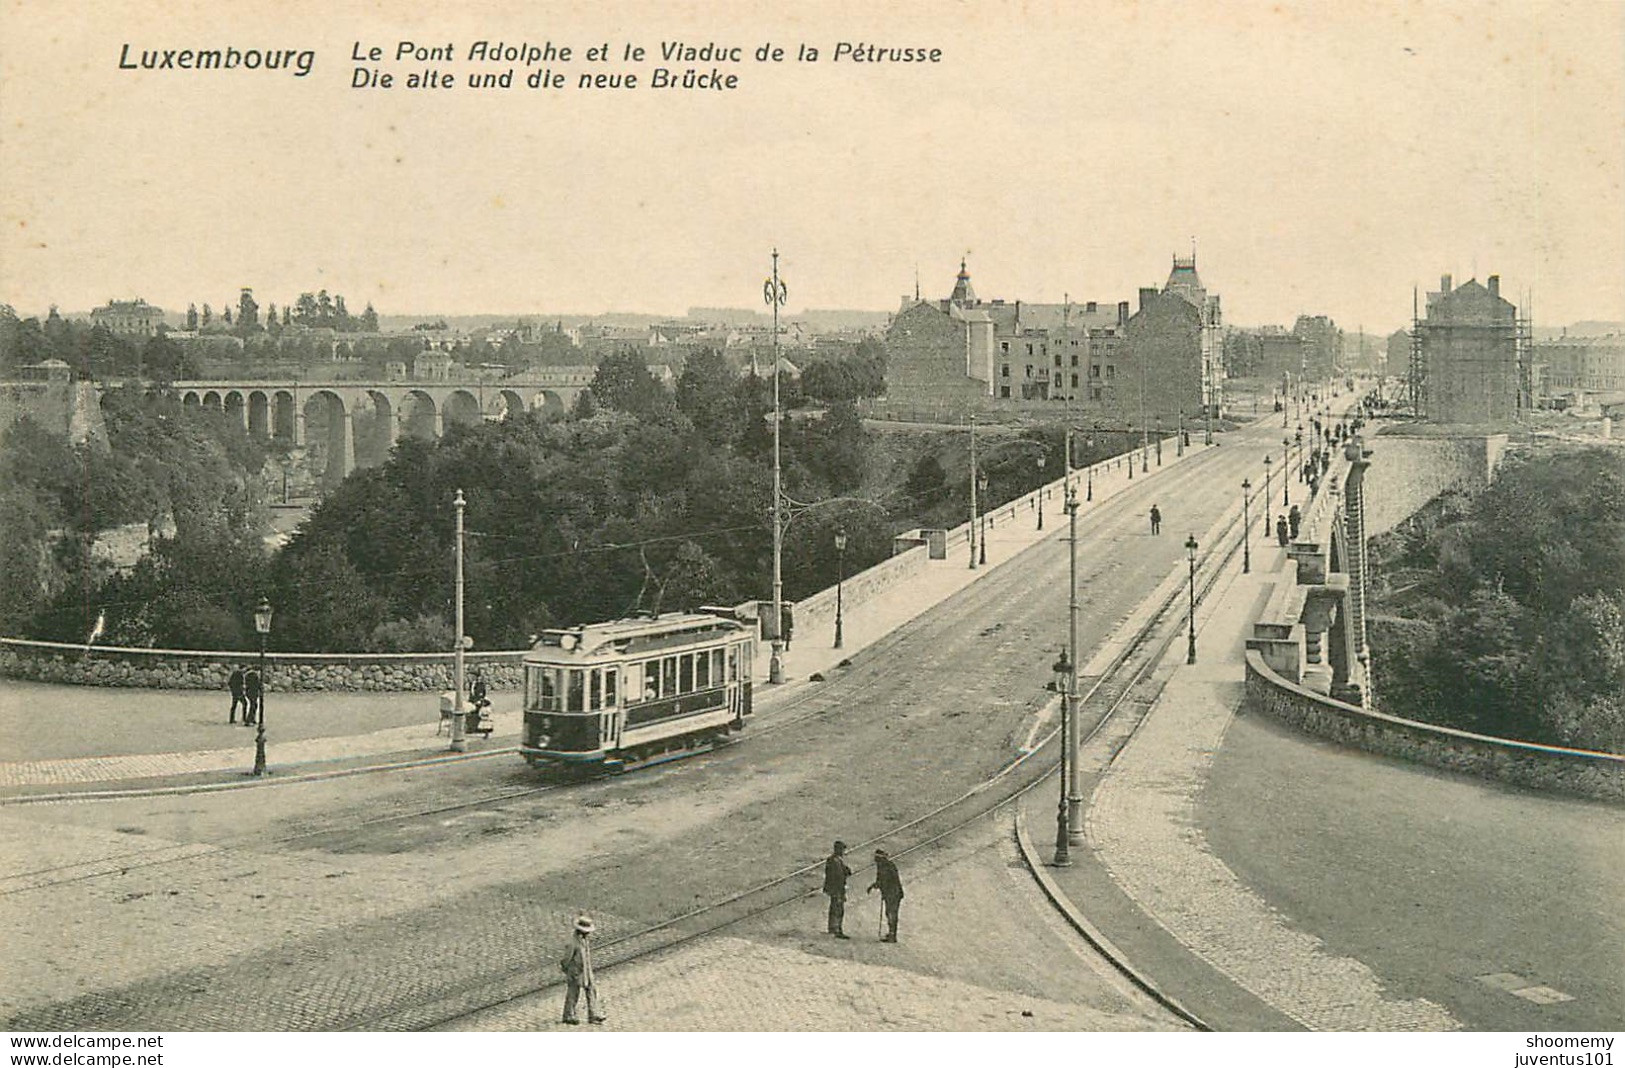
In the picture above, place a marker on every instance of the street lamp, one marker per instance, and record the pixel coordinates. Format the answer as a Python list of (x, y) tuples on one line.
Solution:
[(1246, 525), (1063, 682), (1268, 496), (1069, 729), (262, 626), (1286, 472), (1300, 450), (840, 579), (1179, 442), (1040, 491), (1190, 553), (974, 518), (981, 485), (1159, 441)]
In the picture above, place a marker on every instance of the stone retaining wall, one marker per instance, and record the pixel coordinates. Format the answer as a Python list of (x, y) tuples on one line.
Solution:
[(1600, 776), (1407, 472), (185, 669)]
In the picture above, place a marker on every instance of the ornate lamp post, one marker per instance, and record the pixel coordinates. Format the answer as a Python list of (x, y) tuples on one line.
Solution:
[(262, 626), (981, 485), (1246, 525), (1268, 496), (840, 579), (1070, 729), (1179, 442), (1286, 472), (974, 518), (1063, 681), (1159, 441), (1040, 491), (776, 293), (1190, 553), (1300, 451)]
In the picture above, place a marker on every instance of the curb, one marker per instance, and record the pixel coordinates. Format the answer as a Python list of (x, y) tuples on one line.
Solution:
[(252, 783), (1091, 934)]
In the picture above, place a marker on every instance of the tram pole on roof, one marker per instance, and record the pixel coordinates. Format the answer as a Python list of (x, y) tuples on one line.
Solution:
[(775, 292)]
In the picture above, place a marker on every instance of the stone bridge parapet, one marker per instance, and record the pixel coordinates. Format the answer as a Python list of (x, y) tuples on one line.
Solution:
[(1600, 776)]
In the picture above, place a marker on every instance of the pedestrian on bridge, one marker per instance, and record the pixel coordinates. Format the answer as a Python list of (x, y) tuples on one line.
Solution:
[(1294, 519), (891, 891), (235, 685), (578, 976), (1281, 531), (1156, 520), (836, 873)]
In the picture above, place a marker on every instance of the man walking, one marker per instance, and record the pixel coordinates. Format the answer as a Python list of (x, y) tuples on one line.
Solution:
[(891, 891), (251, 691), (1294, 520), (577, 967), (1156, 520), (836, 873), (235, 685), (1281, 530)]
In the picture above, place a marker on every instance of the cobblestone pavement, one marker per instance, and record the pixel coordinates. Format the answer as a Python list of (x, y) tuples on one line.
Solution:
[(1142, 823), (979, 951)]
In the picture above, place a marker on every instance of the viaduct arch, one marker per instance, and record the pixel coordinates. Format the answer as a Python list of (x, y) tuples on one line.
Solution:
[(344, 425)]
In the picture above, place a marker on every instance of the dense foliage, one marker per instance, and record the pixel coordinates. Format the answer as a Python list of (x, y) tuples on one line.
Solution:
[(1504, 614), (189, 475)]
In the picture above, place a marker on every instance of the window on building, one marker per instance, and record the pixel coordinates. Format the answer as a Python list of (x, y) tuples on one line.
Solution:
[(1004, 371), (1004, 347), (1094, 392), (1004, 392), (1074, 381), (1057, 359), (1074, 359), (1111, 370), (1094, 370)]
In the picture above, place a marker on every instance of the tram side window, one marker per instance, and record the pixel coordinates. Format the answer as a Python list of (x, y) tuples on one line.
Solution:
[(609, 687), (575, 697), (702, 671), (651, 679), (733, 663), (685, 673), (668, 676), (546, 689), (595, 693), (718, 667)]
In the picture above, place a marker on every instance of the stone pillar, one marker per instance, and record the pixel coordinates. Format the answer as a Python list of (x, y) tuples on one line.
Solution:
[(439, 420), (1319, 609), (1358, 559), (344, 462)]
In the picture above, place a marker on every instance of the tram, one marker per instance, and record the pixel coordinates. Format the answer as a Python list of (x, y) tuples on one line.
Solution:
[(619, 693)]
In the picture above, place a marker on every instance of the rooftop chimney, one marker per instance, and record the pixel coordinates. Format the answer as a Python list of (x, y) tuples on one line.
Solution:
[(1444, 283), (1495, 285)]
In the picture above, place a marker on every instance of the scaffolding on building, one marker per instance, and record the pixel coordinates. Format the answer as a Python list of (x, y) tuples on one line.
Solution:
[(1524, 342), (1416, 373)]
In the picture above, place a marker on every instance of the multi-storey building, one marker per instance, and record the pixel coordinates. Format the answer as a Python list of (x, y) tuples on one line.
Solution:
[(1575, 366), (1470, 354), (128, 318)]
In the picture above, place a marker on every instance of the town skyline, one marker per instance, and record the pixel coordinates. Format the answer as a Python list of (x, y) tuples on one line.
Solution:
[(1325, 161)]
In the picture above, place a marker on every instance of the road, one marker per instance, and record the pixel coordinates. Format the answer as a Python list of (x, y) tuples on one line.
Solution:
[(342, 927)]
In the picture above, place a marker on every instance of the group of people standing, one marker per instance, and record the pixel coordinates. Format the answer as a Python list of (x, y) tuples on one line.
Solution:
[(887, 881), (246, 690)]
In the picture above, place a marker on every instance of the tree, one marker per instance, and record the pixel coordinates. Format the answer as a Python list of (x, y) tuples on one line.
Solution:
[(369, 319), (623, 382), (191, 317), (706, 394)]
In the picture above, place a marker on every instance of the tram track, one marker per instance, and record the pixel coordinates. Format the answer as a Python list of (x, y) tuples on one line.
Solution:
[(1110, 694), (807, 705)]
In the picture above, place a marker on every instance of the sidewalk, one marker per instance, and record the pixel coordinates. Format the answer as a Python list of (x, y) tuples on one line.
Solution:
[(340, 743), (1151, 886)]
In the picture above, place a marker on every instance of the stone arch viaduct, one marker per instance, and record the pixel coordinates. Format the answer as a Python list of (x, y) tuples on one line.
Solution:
[(349, 424)]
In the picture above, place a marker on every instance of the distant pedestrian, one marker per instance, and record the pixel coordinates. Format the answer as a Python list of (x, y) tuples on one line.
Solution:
[(252, 690), (1281, 533), (891, 891), (1156, 520), (235, 685), (1294, 519), (836, 873), (578, 976)]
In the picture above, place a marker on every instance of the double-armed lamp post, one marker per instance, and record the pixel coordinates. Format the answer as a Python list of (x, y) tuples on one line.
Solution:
[(1069, 804), (1040, 491), (1269, 496)]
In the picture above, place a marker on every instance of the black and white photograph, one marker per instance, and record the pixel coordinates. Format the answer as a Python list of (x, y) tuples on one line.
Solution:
[(1102, 521)]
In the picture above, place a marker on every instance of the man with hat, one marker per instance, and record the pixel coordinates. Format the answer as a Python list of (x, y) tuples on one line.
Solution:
[(836, 873), (891, 891), (577, 966)]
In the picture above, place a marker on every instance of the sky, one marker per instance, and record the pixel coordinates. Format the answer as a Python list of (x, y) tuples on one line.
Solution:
[(1324, 157)]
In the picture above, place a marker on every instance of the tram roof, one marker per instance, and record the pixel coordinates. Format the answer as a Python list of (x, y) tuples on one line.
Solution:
[(638, 635)]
